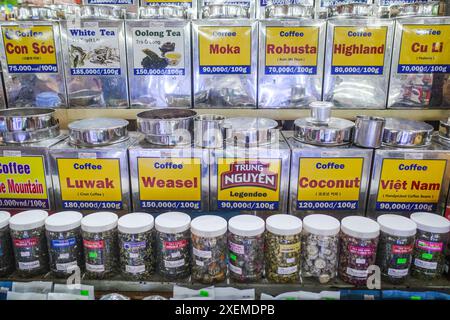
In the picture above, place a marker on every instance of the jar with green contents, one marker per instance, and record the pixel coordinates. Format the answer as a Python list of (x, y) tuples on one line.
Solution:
[(431, 241), (6, 255), (283, 248)]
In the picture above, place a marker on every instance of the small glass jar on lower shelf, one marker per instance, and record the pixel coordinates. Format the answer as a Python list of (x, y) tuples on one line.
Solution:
[(246, 248), (6, 252)]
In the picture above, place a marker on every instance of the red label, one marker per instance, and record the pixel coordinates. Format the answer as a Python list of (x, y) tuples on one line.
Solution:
[(429, 246), (174, 245), (361, 251), (401, 249), (31, 242), (254, 174), (99, 244)]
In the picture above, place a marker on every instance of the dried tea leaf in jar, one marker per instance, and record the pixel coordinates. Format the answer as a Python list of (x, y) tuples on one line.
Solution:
[(283, 248), (29, 243), (136, 245), (395, 247), (64, 241), (431, 240), (320, 239), (100, 244), (358, 248), (209, 249), (246, 248), (173, 248), (6, 252)]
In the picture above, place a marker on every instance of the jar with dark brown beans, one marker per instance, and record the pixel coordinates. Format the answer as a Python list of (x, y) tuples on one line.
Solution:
[(6, 252)]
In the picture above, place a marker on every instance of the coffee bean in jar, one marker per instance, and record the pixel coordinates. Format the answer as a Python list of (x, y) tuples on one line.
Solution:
[(64, 242), (29, 243), (173, 247), (6, 252), (358, 248), (320, 240), (246, 248), (209, 249), (99, 231), (283, 248), (136, 245), (431, 242), (395, 247)]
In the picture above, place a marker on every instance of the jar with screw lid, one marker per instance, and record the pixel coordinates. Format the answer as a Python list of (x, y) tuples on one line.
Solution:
[(6, 253), (246, 248), (64, 242), (209, 249), (29, 243), (173, 247), (283, 248), (358, 248), (320, 241), (431, 241), (395, 247), (100, 244), (136, 245)]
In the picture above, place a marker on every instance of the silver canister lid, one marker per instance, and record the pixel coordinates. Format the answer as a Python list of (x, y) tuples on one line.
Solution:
[(321, 129), (444, 129), (161, 12), (248, 131), (24, 13), (98, 132), (286, 11), (351, 10), (225, 11), (167, 126), (406, 133), (97, 12)]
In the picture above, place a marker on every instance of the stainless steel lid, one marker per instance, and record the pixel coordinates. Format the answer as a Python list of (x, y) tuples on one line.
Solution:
[(444, 129), (223, 11), (248, 131), (98, 131), (97, 12), (287, 11), (167, 126), (406, 133), (321, 129), (422, 9), (350, 10), (209, 131), (35, 13), (165, 11)]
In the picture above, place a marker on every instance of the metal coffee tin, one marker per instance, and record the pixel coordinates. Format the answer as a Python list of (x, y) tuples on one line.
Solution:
[(402, 8), (405, 133), (130, 6), (284, 9), (226, 9), (357, 62), (329, 8), (420, 76), (167, 9), (290, 62), (32, 64), (250, 132), (444, 129), (209, 131), (328, 180), (169, 178), (159, 63), (225, 63), (96, 74), (89, 177)]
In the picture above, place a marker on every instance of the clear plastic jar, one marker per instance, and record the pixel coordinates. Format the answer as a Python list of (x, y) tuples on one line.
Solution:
[(136, 244), (320, 243), (431, 241), (358, 248), (100, 244), (209, 249), (6, 252), (65, 245), (246, 248), (283, 248), (29, 243), (395, 247), (173, 247)]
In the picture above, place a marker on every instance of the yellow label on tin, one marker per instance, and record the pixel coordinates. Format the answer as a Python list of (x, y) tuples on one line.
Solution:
[(410, 185), (174, 183), (424, 49), (88, 183), (329, 183), (30, 49), (358, 50), (23, 183), (252, 184)]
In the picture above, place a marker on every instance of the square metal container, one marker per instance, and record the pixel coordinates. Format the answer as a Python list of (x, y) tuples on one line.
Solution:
[(225, 80), (226, 9), (261, 6), (36, 182), (154, 86), (190, 5), (269, 167), (290, 80), (131, 6), (341, 164), (88, 179), (408, 191), (352, 79), (169, 178), (33, 71), (420, 76), (96, 82)]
